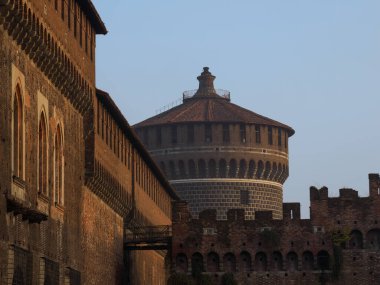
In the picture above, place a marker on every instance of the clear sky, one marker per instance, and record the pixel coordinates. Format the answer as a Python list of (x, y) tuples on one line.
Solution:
[(312, 64)]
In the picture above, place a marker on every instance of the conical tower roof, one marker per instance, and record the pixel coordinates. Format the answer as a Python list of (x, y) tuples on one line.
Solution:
[(209, 105)]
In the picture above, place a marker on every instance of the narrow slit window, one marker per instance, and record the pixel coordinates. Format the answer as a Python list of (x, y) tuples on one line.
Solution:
[(270, 135)]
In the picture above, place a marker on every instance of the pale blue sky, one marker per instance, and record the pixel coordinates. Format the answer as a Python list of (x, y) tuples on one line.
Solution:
[(312, 64)]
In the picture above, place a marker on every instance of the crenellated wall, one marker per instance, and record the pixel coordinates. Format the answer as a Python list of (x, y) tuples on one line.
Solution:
[(339, 244)]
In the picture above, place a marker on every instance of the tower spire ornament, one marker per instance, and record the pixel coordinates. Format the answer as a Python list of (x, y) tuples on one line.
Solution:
[(206, 84)]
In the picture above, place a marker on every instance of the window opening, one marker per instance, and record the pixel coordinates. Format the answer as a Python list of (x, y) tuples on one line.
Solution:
[(243, 135), (258, 134), (270, 135)]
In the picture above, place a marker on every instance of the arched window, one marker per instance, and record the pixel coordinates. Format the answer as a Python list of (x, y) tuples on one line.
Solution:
[(181, 262), (307, 260), (212, 262), (42, 155), (373, 239), (58, 166), (292, 260), (356, 240), (245, 260), (260, 261), (18, 134), (229, 262)]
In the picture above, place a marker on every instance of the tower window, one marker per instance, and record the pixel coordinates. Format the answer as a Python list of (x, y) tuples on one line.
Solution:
[(226, 133), (243, 135), (190, 133), (270, 135), (173, 132), (279, 137), (258, 134), (208, 133)]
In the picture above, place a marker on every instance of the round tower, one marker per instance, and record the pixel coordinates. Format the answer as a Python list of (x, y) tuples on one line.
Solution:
[(218, 155)]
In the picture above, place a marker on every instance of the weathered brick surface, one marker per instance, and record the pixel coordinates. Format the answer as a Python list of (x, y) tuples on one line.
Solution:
[(109, 183), (287, 251), (214, 151)]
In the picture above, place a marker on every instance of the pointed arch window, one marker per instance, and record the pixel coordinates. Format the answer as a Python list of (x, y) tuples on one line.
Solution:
[(18, 134), (58, 166), (42, 155)]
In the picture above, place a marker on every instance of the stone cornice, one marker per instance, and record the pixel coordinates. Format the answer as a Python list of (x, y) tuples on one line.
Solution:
[(104, 185), (34, 38)]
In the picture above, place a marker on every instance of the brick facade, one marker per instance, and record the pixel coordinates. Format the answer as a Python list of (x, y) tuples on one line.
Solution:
[(217, 154), (339, 244), (69, 191)]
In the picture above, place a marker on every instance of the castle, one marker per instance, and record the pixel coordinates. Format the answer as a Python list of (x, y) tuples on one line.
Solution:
[(78, 185), (228, 165), (219, 155), (74, 178)]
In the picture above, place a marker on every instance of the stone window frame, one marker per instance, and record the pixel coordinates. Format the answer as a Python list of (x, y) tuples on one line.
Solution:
[(59, 194), (18, 91), (42, 154), (43, 109)]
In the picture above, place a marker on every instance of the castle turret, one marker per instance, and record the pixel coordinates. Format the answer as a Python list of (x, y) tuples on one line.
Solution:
[(219, 155)]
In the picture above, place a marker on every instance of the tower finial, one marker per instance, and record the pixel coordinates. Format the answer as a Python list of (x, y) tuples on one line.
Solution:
[(206, 84)]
